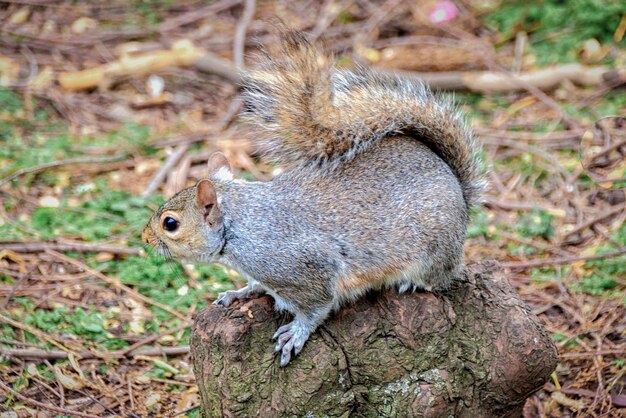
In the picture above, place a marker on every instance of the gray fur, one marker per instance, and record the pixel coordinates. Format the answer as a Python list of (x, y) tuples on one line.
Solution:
[(397, 208), (381, 174)]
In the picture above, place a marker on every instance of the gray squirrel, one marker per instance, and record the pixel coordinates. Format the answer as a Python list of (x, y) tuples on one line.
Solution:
[(379, 177)]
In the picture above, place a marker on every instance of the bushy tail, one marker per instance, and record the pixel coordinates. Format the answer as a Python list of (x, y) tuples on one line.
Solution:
[(314, 114)]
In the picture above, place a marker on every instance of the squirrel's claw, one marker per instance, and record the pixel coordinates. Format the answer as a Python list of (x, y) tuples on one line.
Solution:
[(281, 331), (227, 298), (290, 337)]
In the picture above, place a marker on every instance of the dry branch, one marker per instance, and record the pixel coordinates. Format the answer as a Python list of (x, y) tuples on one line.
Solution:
[(160, 175), (240, 33), (59, 355), (39, 334), (479, 81), (62, 411), (115, 283), (77, 160), (521, 265), (212, 64), (543, 79), (182, 53), (35, 247)]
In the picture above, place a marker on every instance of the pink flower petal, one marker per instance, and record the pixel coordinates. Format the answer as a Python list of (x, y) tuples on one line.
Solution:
[(443, 12)]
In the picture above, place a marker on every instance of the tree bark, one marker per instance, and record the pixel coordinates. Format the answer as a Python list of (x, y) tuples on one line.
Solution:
[(476, 350)]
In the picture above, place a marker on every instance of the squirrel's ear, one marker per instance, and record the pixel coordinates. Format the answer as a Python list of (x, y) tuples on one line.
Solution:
[(219, 168), (206, 200)]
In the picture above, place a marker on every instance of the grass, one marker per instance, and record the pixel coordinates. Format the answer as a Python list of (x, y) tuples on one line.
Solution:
[(559, 28), (89, 208), (70, 202)]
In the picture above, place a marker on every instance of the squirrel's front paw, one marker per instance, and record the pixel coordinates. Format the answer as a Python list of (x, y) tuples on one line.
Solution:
[(290, 337), (228, 297)]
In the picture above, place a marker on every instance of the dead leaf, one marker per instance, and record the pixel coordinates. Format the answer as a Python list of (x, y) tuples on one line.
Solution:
[(188, 399), (49, 202), (20, 16), (67, 381), (9, 71), (592, 51), (43, 80), (83, 24), (152, 400), (102, 257), (15, 257), (561, 398)]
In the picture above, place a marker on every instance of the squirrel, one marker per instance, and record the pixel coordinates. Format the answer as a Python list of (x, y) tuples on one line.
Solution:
[(380, 174)]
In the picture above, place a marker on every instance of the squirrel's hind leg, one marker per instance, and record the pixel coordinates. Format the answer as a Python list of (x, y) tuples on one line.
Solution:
[(291, 337), (252, 290)]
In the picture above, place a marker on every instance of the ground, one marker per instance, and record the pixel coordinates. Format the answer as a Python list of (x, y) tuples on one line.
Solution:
[(89, 322)]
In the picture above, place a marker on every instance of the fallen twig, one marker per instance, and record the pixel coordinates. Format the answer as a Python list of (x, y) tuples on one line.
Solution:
[(522, 206), (479, 81), (240, 33), (567, 238), (496, 81), (40, 334), (184, 411), (182, 139), (196, 14), (130, 349), (593, 353), (160, 175), (60, 355), (212, 64), (555, 136), (559, 261), (62, 411), (115, 283), (78, 160), (35, 247), (182, 53)]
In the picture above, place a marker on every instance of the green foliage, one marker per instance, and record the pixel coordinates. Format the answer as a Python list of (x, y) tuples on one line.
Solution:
[(558, 27), (131, 136), (549, 273), (536, 224), (20, 151), (562, 338), (166, 282), (88, 324), (604, 271), (111, 213), (520, 249), (613, 103), (9, 101), (596, 284), (479, 222), (147, 13), (345, 17)]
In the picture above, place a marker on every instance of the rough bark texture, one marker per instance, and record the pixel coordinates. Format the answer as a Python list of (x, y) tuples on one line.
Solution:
[(476, 350)]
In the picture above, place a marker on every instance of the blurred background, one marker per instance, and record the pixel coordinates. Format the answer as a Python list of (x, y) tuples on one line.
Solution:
[(108, 108)]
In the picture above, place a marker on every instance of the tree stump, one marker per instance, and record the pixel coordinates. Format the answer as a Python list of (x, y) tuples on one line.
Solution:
[(475, 350)]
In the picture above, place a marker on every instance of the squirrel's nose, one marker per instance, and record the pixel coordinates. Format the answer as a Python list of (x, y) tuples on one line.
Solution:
[(147, 235)]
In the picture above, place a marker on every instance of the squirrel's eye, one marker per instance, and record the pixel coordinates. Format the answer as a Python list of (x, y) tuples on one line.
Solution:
[(170, 224)]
